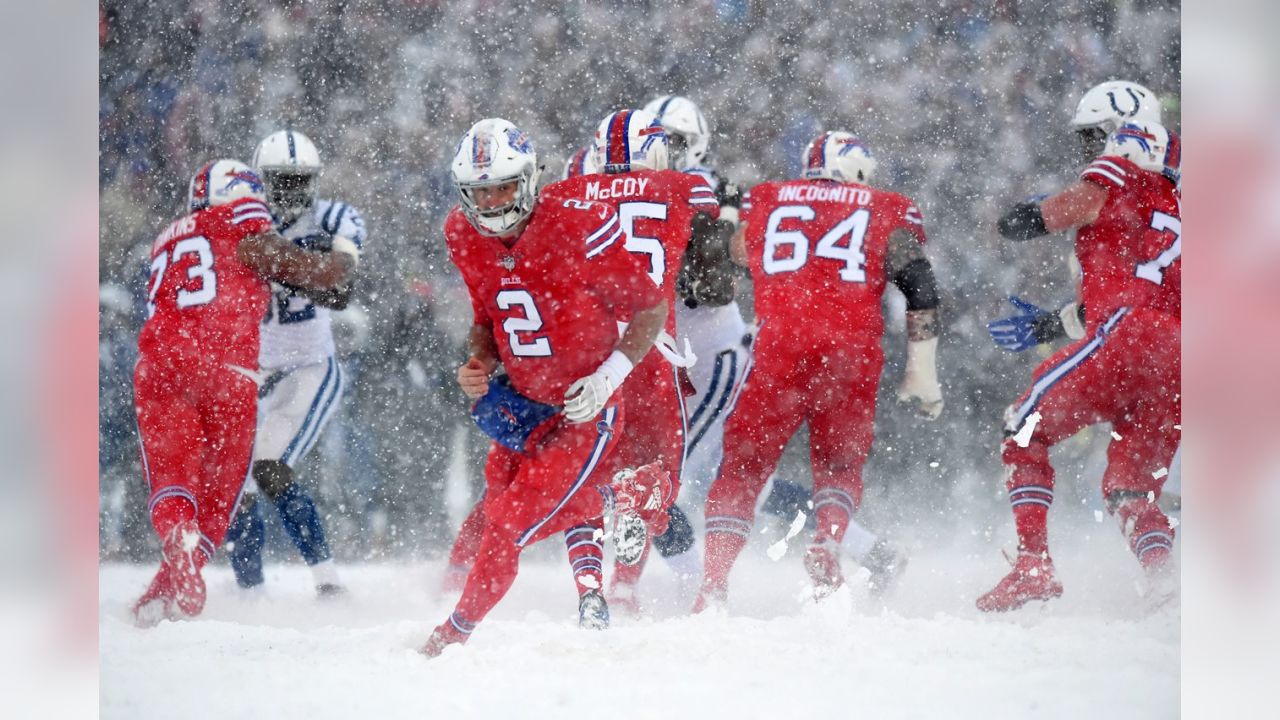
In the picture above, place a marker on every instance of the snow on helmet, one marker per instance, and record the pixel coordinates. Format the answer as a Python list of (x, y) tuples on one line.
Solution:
[(290, 166), (838, 156), (629, 140), (496, 152), (1149, 146), (688, 134), (221, 182)]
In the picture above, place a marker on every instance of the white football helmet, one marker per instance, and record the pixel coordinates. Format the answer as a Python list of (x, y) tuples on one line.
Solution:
[(581, 162), (689, 135), (495, 152), (629, 140), (1109, 105), (838, 156), (221, 182), (290, 165), (1149, 146)]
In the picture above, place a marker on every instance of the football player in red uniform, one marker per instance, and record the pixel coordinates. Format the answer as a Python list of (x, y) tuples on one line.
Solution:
[(821, 250), (549, 279), (1125, 371), (195, 384), (663, 212)]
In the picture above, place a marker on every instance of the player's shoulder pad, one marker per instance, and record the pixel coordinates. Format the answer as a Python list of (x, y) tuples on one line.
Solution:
[(242, 211), (339, 218), (1109, 171)]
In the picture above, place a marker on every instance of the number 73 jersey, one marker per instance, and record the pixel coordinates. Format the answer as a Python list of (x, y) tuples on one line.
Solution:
[(203, 304), (817, 250)]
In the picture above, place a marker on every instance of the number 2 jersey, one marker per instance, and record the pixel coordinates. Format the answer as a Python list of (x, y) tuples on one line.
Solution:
[(296, 331), (554, 296), (816, 250), (204, 306), (1131, 256)]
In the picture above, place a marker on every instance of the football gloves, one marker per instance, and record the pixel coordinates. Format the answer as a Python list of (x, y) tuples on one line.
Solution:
[(1018, 332), (587, 396)]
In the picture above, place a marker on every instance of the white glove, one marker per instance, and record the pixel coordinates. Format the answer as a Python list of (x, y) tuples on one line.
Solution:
[(344, 244), (667, 348), (920, 385), (587, 397)]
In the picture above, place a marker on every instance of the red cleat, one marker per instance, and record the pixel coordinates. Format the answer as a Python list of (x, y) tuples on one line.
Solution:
[(1030, 579), (156, 603), (443, 636), (823, 565), (181, 555), (710, 600)]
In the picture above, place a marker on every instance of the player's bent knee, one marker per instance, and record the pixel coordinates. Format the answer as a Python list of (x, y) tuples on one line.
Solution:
[(273, 477), (679, 535)]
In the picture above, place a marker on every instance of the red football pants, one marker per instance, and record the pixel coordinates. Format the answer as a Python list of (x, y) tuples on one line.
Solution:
[(1127, 372), (196, 423), (793, 380), (530, 497)]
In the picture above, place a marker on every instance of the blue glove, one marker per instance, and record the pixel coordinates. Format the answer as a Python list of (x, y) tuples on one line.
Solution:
[(511, 418), (1018, 332)]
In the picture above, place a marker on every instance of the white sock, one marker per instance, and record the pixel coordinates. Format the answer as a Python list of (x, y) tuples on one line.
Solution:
[(858, 541), (325, 573)]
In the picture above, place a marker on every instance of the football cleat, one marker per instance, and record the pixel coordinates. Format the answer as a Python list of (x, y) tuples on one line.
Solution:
[(886, 563), (181, 550), (1030, 579), (442, 637), (630, 535), (593, 611), (156, 603), (330, 590), (710, 599), (823, 564)]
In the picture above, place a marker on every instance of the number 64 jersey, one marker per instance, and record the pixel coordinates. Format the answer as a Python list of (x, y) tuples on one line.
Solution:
[(817, 253)]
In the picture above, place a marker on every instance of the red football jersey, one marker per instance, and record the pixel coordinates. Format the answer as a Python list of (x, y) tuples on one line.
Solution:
[(554, 296), (655, 208), (203, 304), (817, 249), (1131, 256)]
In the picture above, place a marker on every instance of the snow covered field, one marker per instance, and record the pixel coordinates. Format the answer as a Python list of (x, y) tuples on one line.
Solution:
[(925, 653)]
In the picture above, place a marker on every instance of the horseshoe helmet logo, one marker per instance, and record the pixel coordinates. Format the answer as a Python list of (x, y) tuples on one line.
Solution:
[(1137, 103)]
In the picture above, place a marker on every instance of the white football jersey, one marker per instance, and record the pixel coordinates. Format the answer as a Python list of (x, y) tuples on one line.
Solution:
[(296, 331)]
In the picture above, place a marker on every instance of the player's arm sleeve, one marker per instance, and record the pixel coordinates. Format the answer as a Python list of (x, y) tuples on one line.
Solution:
[(911, 272), (702, 198), (343, 219)]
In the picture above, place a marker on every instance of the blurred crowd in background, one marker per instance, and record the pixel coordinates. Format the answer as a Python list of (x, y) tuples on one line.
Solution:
[(965, 105)]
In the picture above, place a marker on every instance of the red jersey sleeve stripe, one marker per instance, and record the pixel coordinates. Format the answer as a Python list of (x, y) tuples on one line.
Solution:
[(1101, 176), (245, 217), (600, 247), (599, 233), (1108, 165)]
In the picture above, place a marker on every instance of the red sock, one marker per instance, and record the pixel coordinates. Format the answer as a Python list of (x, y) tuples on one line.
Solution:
[(725, 539), (1147, 529), (170, 507), (1030, 504), (586, 557)]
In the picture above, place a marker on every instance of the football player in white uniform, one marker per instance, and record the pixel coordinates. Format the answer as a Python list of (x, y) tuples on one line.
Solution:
[(302, 381), (710, 318)]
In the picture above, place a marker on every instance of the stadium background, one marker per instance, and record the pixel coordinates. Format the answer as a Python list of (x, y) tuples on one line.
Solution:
[(964, 103)]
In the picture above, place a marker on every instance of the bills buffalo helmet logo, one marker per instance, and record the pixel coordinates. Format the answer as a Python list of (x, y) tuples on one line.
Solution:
[(244, 176)]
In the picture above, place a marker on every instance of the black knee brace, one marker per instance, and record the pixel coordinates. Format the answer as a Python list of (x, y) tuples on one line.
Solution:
[(273, 477), (679, 535)]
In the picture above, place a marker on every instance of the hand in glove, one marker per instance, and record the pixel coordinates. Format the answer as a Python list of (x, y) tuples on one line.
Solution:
[(587, 396), (1018, 332)]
